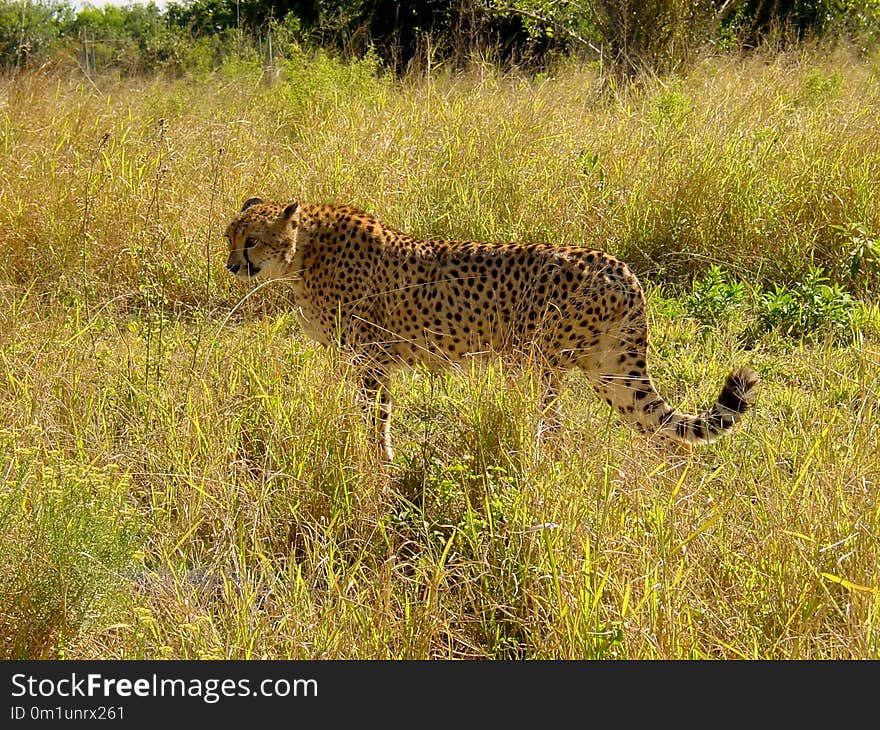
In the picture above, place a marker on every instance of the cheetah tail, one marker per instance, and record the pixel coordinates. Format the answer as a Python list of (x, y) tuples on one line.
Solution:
[(736, 397)]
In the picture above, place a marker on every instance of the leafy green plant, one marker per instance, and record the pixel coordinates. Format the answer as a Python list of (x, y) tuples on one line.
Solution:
[(715, 297), (864, 248), (810, 306)]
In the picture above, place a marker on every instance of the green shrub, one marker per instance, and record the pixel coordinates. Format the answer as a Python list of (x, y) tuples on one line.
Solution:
[(864, 250), (715, 297), (811, 306)]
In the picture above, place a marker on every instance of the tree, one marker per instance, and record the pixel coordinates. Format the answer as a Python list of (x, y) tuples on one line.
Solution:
[(28, 29)]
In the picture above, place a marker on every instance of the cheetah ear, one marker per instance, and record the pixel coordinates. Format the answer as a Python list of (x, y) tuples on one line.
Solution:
[(249, 202), (290, 210)]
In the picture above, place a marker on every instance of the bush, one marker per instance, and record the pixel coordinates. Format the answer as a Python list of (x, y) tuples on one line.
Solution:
[(715, 297), (864, 251), (811, 306)]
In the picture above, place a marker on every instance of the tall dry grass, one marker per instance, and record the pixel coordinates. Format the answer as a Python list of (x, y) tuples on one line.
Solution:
[(184, 475)]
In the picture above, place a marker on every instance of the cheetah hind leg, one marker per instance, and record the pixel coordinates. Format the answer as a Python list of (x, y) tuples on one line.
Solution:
[(550, 419), (376, 395)]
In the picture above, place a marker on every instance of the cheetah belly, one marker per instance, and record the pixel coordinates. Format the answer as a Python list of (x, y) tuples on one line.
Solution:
[(310, 321)]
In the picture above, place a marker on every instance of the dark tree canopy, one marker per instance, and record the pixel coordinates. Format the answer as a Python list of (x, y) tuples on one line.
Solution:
[(633, 34)]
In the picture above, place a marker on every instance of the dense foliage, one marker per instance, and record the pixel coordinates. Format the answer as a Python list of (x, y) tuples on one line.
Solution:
[(627, 35)]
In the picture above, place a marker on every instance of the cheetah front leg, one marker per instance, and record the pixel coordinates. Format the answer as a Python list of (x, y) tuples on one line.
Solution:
[(376, 395)]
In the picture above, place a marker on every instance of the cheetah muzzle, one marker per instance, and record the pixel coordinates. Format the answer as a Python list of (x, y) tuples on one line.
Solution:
[(392, 300)]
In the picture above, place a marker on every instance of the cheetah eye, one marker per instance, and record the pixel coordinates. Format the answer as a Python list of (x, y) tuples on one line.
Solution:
[(250, 242)]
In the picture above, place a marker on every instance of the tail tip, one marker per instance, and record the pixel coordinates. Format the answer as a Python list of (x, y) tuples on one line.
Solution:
[(739, 390)]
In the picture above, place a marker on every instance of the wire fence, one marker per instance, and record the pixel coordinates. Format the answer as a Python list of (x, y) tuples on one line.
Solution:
[(98, 53)]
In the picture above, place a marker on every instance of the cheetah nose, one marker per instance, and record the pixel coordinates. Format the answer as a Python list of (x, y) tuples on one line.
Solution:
[(233, 267)]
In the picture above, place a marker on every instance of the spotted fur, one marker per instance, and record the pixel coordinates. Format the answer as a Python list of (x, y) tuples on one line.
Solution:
[(393, 300)]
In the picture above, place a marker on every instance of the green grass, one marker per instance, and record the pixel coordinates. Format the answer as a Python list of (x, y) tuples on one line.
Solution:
[(184, 475)]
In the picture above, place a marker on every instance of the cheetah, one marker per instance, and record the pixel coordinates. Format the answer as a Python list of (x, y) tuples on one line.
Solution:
[(391, 300)]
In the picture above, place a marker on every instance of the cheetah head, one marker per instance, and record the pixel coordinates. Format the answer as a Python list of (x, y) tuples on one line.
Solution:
[(261, 240)]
